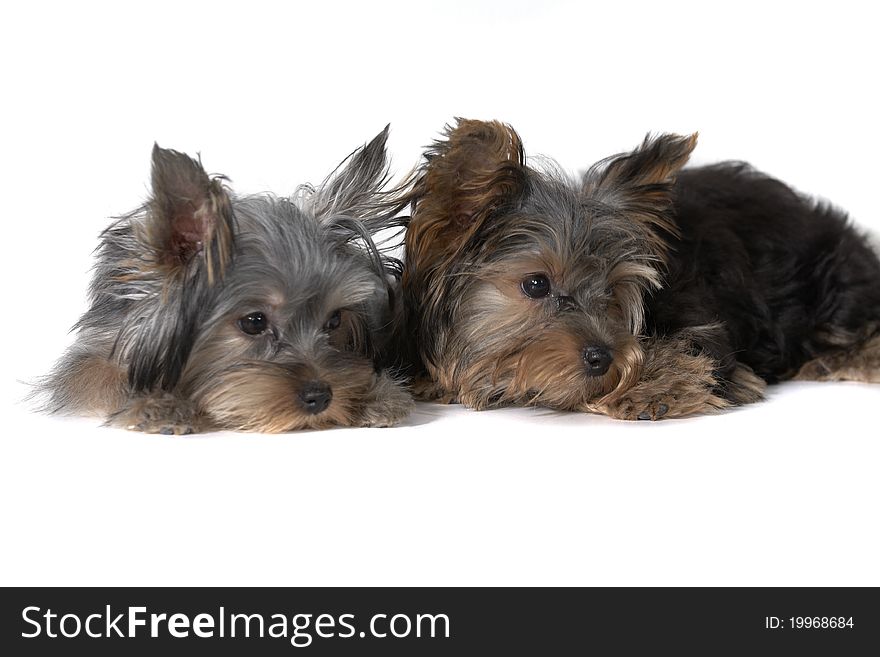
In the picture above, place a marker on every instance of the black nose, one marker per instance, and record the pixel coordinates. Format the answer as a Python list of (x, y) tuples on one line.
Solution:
[(315, 396), (597, 360)]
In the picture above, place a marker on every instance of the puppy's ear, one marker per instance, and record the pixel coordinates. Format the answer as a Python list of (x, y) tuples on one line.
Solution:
[(640, 182), (354, 187), (189, 216), (476, 169), (354, 203)]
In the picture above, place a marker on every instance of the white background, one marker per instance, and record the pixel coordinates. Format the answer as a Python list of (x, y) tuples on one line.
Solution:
[(274, 94)]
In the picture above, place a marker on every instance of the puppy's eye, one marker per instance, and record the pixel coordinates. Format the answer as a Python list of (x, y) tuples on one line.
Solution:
[(536, 286), (254, 323), (334, 321)]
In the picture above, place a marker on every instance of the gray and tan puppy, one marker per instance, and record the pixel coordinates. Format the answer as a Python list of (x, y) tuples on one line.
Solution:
[(254, 313)]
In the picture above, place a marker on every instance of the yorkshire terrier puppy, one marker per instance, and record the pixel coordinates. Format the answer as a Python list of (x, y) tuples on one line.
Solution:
[(253, 313), (639, 291)]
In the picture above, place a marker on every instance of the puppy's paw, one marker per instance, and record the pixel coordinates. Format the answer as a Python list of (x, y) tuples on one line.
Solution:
[(642, 410), (677, 386), (162, 413), (645, 405), (640, 406), (425, 389), (390, 404)]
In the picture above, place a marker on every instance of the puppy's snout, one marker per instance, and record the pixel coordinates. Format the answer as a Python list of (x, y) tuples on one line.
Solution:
[(315, 397), (597, 360)]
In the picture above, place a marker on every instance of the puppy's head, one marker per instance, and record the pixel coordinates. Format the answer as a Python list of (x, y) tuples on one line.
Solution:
[(269, 313), (526, 284)]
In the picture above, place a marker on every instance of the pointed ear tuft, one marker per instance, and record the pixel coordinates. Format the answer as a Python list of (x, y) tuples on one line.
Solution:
[(477, 168), (355, 187), (639, 183), (655, 162), (190, 215)]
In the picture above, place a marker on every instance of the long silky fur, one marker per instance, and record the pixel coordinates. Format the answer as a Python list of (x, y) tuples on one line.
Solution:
[(172, 277), (702, 284)]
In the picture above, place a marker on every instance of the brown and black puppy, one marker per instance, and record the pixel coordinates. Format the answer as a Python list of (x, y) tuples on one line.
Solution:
[(637, 290)]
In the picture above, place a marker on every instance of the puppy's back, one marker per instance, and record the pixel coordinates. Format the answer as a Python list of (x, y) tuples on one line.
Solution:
[(779, 268)]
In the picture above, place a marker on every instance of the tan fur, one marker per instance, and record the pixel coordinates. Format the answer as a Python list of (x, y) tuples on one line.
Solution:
[(263, 399), (862, 364), (218, 233), (101, 385), (665, 169), (424, 388), (672, 383), (159, 413), (745, 386)]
